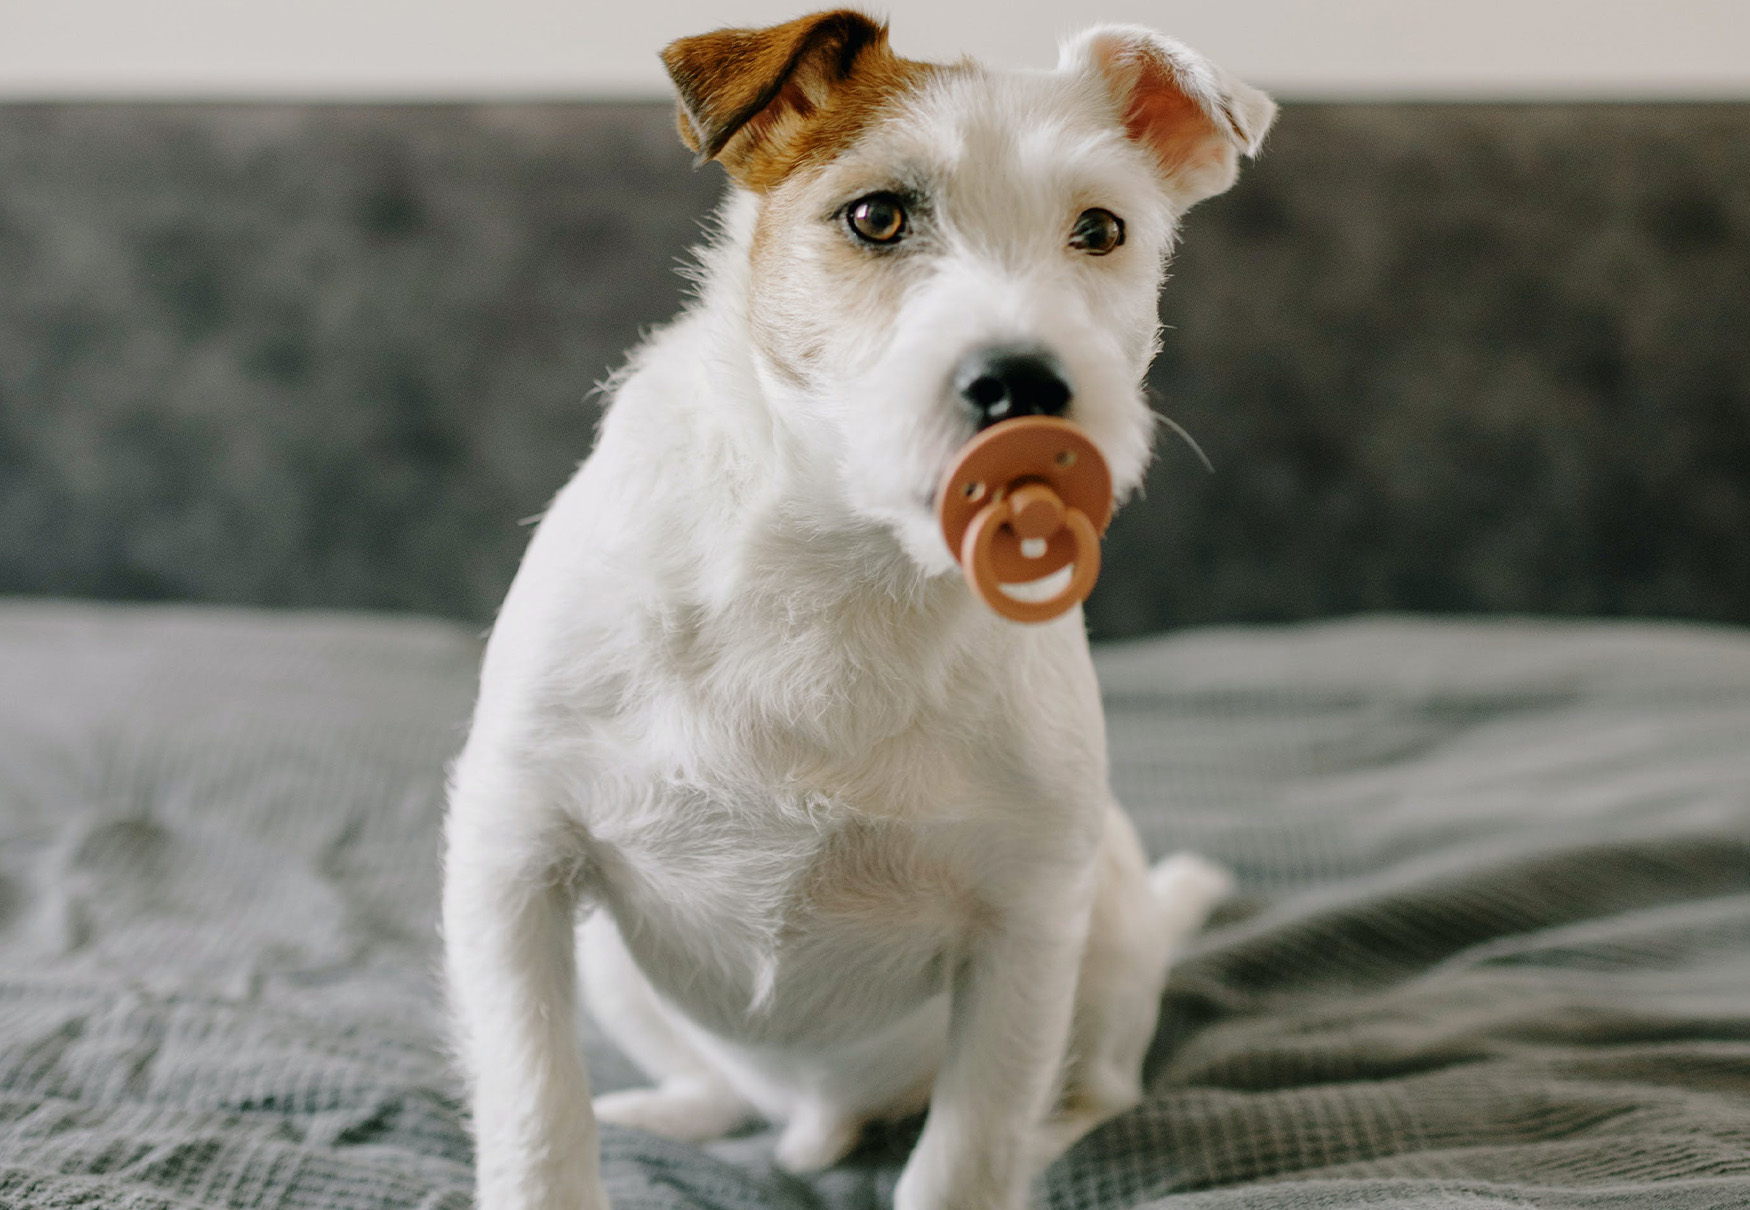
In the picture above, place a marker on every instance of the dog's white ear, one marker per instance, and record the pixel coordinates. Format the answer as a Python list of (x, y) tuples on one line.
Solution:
[(758, 101), (1194, 117)]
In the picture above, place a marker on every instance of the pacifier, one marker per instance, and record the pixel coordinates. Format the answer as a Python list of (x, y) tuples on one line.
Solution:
[(1024, 499)]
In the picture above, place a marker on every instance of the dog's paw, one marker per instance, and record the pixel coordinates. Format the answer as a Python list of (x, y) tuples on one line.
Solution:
[(689, 1112), (816, 1139), (943, 1189)]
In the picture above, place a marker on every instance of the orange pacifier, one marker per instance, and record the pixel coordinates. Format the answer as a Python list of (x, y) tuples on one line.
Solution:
[(1026, 498)]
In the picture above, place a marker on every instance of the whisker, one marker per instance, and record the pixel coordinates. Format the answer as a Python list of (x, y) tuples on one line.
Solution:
[(1189, 440), (1154, 398)]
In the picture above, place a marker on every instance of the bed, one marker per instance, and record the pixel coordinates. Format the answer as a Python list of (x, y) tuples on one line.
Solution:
[(1492, 947)]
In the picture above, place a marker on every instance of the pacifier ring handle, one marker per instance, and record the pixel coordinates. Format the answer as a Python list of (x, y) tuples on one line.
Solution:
[(975, 559)]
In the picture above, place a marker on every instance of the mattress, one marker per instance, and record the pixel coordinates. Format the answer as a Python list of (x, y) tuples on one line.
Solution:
[(1492, 946)]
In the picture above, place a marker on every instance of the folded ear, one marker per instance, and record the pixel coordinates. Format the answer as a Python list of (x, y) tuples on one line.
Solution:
[(747, 95), (1194, 117)]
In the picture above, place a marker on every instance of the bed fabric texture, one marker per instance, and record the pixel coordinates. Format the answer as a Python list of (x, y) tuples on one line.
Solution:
[(1493, 948)]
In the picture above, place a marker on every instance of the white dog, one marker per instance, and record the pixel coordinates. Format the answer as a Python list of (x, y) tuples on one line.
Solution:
[(841, 839)]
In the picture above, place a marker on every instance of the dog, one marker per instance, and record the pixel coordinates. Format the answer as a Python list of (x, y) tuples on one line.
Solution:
[(825, 840)]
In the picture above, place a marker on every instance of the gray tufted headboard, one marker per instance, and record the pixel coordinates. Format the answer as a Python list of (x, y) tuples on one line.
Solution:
[(1483, 358)]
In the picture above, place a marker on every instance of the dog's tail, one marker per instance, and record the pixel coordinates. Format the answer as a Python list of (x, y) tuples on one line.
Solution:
[(1186, 889)]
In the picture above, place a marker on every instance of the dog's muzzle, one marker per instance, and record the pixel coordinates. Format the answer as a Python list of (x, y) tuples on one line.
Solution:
[(1004, 382)]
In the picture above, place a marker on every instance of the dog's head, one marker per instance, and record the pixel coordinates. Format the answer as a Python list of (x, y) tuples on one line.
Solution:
[(936, 248)]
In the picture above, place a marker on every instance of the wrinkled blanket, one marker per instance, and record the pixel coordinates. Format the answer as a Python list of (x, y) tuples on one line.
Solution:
[(1492, 947)]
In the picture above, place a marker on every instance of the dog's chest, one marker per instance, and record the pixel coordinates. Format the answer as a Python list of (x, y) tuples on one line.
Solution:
[(796, 849), (803, 921)]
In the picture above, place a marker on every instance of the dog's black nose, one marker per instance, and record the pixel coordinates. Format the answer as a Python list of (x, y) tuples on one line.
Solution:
[(1001, 384)]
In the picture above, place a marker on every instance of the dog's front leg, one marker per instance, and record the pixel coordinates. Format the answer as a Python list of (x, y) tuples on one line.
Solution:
[(508, 942), (1009, 1024)]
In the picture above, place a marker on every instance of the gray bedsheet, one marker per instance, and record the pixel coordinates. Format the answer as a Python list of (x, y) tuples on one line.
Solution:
[(1493, 950)]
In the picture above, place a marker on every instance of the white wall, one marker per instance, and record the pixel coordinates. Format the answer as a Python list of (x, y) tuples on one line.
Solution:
[(492, 48)]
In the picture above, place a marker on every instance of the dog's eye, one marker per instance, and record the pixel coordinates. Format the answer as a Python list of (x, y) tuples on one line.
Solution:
[(1097, 232), (877, 219)]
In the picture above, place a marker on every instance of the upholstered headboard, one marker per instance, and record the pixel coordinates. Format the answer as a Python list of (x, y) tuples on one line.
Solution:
[(1445, 357)]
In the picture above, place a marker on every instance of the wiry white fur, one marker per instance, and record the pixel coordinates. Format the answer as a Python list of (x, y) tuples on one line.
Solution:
[(842, 838)]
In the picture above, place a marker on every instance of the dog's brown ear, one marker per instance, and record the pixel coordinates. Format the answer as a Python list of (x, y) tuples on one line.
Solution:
[(1194, 117), (746, 95)]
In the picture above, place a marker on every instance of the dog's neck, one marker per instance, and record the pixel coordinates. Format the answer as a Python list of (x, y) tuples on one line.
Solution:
[(785, 503), (752, 564)]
